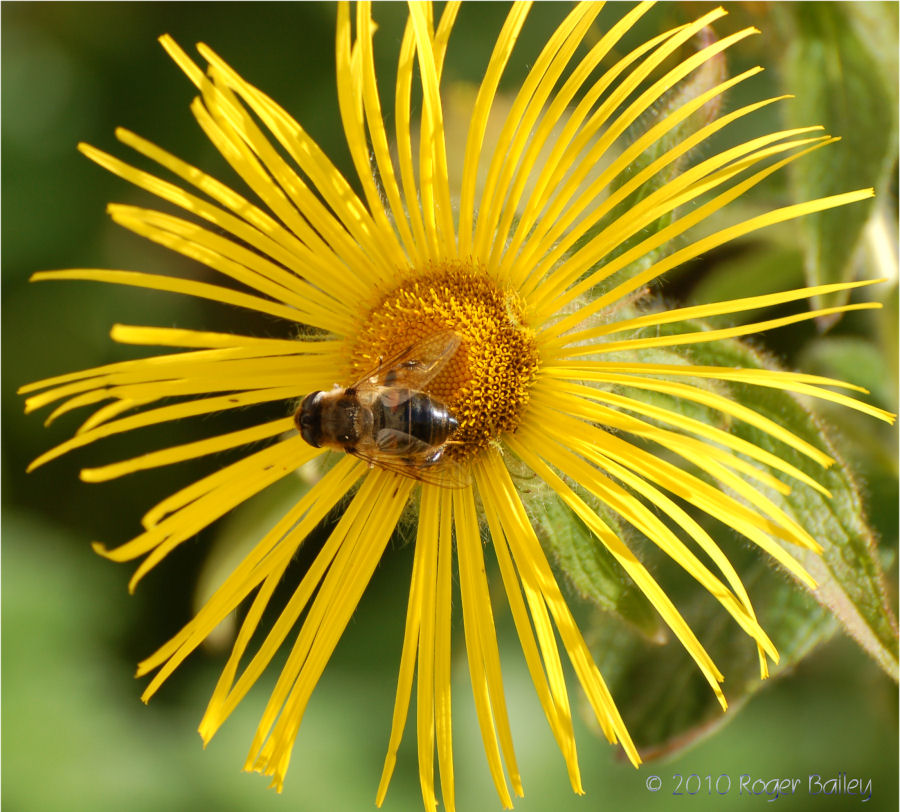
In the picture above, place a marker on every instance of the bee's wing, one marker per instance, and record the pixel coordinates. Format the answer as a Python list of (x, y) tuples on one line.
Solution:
[(414, 367), (400, 444), (397, 451), (446, 474)]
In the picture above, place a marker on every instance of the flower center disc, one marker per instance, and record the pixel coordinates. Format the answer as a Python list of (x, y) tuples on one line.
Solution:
[(487, 381)]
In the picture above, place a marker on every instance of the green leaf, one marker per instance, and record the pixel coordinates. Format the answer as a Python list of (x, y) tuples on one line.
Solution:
[(663, 698), (842, 82)]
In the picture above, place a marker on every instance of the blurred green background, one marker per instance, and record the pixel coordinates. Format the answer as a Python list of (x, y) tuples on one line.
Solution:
[(75, 735)]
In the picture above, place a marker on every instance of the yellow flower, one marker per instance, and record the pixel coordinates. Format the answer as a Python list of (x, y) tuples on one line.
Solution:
[(523, 269)]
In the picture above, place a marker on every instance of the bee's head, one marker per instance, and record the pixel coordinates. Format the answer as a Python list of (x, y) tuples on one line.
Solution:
[(309, 419)]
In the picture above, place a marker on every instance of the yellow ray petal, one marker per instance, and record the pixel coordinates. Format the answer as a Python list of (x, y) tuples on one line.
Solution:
[(481, 646), (203, 370), (598, 372), (680, 191), (425, 678), (702, 336), (110, 411), (188, 451), (557, 192), (226, 126), (422, 590), (343, 205), (553, 696), (221, 346), (261, 568), (315, 218), (492, 195), (487, 91), (708, 398), (374, 118), (680, 421), (702, 245), (770, 519), (585, 408), (238, 376), (229, 691), (421, 585), (620, 168), (778, 378), (220, 493), (757, 527), (164, 414), (342, 540), (442, 652), (433, 185), (235, 262), (567, 214), (747, 618), (562, 156), (537, 577), (504, 197), (403, 130), (352, 66), (626, 558), (305, 247), (799, 383), (171, 284), (638, 515), (332, 608), (179, 528), (251, 226), (204, 339), (712, 309), (529, 208)]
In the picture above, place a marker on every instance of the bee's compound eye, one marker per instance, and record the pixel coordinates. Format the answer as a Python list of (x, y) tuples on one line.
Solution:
[(308, 419)]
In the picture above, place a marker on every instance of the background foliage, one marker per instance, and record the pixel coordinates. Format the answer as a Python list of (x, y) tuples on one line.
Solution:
[(74, 733)]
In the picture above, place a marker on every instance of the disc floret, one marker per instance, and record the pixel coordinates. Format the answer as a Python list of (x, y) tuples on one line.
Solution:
[(487, 382)]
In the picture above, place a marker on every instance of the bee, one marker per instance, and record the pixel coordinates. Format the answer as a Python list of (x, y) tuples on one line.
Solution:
[(387, 418)]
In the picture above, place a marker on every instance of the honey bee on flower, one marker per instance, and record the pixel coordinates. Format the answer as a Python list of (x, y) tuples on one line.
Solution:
[(387, 418)]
